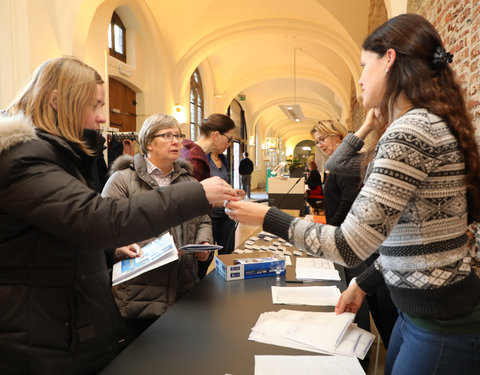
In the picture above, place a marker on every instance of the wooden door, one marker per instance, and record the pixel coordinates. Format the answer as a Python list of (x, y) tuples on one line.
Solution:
[(123, 111)]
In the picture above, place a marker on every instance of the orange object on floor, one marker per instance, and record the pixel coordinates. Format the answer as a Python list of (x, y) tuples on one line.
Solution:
[(320, 219)]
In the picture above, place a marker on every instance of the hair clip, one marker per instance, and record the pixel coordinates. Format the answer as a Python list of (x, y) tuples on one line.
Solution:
[(441, 58)]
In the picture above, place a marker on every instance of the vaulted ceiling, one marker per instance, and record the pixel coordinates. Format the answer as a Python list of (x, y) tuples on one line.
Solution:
[(275, 53)]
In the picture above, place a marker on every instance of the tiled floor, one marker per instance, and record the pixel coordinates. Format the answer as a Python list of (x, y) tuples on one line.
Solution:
[(245, 231)]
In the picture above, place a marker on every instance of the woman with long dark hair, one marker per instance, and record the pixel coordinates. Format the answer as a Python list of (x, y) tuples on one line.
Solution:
[(421, 190)]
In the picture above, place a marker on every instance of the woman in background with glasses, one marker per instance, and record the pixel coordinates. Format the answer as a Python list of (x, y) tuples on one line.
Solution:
[(206, 156), (340, 192), (143, 299), (216, 135)]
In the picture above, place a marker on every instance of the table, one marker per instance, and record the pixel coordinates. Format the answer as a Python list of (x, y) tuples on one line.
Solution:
[(206, 332)]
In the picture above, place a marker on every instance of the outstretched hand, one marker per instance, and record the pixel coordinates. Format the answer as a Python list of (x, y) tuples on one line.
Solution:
[(248, 213), (350, 300), (218, 191)]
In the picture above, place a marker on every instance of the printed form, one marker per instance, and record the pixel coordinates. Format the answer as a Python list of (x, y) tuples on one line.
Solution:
[(316, 269)]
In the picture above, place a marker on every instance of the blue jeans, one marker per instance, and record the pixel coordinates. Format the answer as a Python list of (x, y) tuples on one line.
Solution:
[(416, 351)]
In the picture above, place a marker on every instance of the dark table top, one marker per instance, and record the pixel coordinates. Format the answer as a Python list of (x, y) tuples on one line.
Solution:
[(206, 332)]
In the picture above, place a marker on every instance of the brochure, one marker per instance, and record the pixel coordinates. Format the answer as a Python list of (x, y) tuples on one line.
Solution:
[(195, 248), (155, 254)]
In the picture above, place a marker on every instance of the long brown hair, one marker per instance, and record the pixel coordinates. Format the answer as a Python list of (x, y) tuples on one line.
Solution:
[(422, 74), (75, 85)]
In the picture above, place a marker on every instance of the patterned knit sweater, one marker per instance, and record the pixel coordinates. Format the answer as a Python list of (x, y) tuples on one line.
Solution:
[(413, 209)]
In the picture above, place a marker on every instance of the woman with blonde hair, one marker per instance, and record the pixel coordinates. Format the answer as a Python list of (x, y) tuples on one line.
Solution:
[(339, 193), (339, 190), (58, 314)]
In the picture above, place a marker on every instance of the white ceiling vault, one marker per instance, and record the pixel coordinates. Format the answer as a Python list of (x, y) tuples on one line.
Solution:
[(249, 47), (240, 47)]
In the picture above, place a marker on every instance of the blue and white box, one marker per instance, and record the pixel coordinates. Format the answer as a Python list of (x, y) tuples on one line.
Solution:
[(246, 266)]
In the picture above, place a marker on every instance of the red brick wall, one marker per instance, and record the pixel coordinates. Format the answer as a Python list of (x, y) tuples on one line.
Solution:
[(458, 23)]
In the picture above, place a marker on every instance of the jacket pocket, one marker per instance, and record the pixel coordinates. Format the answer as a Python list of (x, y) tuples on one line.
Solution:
[(50, 318)]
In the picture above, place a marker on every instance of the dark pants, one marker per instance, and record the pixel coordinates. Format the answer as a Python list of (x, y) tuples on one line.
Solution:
[(246, 182), (224, 233), (223, 229)]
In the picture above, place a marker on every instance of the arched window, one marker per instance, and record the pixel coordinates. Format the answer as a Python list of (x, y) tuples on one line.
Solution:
[(196, 104), (116, 38)]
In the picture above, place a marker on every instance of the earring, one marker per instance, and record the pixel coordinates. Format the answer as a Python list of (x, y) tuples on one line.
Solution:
[(386, 70)]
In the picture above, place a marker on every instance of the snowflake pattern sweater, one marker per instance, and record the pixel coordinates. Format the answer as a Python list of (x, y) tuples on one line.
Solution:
[(413, 209)]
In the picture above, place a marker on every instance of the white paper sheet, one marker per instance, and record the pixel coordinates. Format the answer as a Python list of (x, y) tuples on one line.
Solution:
[(306, 365), (316, 269), (306, 295)]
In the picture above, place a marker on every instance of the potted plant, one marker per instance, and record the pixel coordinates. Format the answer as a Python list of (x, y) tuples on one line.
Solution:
[(295, 167)]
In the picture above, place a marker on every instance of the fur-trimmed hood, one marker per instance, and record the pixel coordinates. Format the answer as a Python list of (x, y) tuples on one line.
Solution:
[(15, 130), (127, 161)]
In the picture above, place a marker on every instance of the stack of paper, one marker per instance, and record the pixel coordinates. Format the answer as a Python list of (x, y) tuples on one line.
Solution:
[(155, 254), (319, 332), (306, 295), (316, 269)]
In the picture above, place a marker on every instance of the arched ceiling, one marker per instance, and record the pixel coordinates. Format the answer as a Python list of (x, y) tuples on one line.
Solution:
[(251, 48)]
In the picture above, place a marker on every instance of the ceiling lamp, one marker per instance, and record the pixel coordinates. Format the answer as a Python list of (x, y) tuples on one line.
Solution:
[(293, 111)]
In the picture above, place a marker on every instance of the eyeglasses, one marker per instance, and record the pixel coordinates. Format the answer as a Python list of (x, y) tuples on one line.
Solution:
[(168, 137), (321, 140), (230, 139)]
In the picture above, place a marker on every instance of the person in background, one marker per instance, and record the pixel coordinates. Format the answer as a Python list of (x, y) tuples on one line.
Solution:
[(420, 193), (144, 298), (245, 168), (58, 314), (216, 135), (350, 159), (223, 226), (314, 193), (339, 193), (314, 179)]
